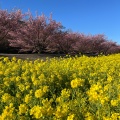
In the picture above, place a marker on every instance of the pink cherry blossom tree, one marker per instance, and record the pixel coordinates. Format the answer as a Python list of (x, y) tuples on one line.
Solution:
[(42, 34), (109, 47), (9, 23), (63, 42), (37, 34)]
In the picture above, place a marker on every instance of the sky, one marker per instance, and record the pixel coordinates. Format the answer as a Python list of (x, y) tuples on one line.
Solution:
[(83, 16)]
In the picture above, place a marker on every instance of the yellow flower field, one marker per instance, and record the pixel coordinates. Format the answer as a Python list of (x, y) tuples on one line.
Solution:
[(73, 88)]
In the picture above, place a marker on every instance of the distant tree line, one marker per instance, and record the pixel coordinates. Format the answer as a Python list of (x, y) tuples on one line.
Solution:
[(23, 33)]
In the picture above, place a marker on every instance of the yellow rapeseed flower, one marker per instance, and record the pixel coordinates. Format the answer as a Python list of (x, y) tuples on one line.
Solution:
[(45, 89), (74, 83), (7, 113), (36, 111), (114, 102), (77, 82), (6, 59), (65, 93), (71, 117), (28, 98), (6, 97), (38, 93), (23, 108), (21, 87)]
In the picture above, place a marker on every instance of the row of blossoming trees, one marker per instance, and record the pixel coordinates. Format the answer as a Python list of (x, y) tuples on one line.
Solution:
[(25, 33)]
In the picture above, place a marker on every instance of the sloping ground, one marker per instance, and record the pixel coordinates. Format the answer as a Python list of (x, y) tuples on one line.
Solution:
[(31, 56)]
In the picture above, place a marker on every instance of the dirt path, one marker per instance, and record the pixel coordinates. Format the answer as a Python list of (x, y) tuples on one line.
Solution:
[(30, 56)]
